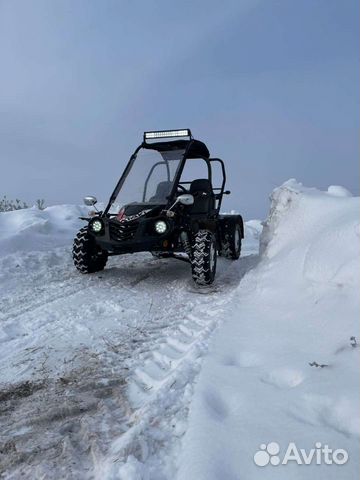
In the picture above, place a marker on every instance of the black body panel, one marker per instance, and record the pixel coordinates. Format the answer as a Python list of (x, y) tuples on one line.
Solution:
[(228, 220), (135, 236)]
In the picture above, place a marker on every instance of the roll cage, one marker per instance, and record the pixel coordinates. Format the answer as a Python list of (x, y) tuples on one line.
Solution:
[(192, 148)]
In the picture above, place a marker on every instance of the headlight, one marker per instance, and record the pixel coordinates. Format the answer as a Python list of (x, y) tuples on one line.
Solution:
[(96, 226), (160, 227)]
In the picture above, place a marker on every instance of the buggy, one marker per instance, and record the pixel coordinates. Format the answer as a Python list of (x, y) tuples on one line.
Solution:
[(159, 207)]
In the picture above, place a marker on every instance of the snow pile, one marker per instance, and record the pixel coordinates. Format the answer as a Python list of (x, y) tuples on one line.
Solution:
[(253, 229), (318, 231), (284, 366), (33, 229)]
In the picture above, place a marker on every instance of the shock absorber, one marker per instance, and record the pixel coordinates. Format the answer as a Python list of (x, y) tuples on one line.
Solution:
[(184, 237)]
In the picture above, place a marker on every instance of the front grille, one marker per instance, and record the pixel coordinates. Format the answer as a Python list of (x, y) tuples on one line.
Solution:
[(122, 231)]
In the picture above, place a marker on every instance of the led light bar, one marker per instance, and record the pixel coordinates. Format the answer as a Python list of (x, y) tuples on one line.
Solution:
[(167, 133)]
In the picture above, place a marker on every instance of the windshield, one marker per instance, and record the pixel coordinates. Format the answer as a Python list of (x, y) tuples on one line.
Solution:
[(150, 178)]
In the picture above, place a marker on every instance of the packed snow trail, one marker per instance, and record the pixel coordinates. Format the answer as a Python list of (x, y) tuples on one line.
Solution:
[(97, 370)]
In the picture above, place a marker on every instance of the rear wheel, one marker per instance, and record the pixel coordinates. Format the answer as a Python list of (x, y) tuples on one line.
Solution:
[(203, 257), (231, 243), (88, 257)]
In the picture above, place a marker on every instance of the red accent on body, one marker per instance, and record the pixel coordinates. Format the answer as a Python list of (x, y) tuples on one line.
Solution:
[(121, 215)]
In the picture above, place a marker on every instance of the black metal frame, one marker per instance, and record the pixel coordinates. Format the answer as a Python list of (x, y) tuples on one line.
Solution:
[(219, 196), (189, 144)]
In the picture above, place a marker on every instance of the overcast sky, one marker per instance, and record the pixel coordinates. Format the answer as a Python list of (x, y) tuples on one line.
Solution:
[(270, 85)]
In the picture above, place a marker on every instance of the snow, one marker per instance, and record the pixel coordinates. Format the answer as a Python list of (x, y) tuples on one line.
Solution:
[(299, 305), (339, 191), (134, 373), (97, 370), (33, 229)]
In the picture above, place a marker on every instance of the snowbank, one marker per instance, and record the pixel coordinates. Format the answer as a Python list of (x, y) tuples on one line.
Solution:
[(32, 229), (284, 366), (317, 231)]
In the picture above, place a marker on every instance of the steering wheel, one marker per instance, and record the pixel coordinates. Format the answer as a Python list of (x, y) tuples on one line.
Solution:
[(183, 189)]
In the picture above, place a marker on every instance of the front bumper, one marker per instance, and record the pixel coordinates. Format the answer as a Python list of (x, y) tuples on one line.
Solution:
[(134, 236)]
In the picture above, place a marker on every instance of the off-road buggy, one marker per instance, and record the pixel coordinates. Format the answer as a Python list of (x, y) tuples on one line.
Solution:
[(158, 206)]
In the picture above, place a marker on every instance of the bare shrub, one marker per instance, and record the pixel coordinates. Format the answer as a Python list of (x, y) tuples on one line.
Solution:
[(10, 205)]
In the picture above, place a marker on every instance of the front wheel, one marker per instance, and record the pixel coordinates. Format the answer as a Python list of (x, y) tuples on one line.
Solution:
[(88, 257), (203, 257)]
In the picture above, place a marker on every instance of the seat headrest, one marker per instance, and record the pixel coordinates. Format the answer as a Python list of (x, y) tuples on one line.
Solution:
[(201, 185)]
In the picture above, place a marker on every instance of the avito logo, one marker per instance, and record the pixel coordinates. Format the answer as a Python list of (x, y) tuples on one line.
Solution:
[(270, 454)]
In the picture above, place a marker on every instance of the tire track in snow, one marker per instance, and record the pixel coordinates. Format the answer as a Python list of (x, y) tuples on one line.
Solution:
[(153, 330), (161, 388)]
